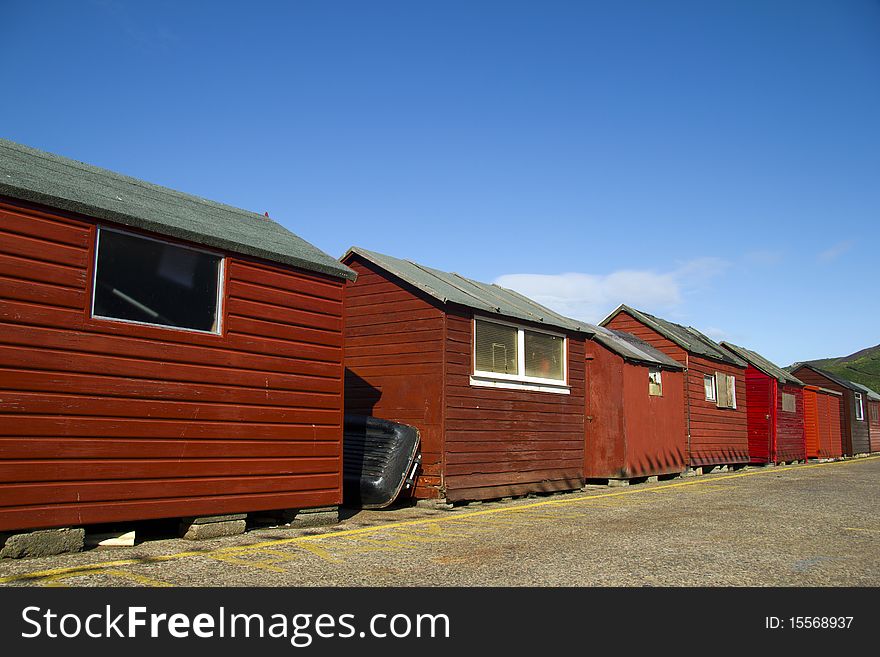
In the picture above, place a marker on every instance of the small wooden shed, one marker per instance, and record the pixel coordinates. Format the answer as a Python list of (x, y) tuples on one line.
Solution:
[(716, 422), (635, 409), (160, 355), (822, 412), (873, 405), (775, 402), (855, 434), (493, 381)]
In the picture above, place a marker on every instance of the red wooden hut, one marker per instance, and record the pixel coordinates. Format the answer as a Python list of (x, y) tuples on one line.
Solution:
[(822, 422), (775, 402), (493, 380), (635, 409), (714, 381), (872, 403), (855, 436), (160, 355)]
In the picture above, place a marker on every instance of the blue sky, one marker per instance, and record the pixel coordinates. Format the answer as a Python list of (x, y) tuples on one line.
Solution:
[(717, 163)]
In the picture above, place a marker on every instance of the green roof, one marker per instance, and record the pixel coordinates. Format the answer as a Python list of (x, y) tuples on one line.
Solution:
[(686, 337), (453, 288), (757, 361), (631, 348), (31, 175)]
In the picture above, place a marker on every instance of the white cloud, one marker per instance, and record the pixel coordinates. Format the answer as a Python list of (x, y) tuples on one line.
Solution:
[(592, 296), (835, 251), (716, 334)]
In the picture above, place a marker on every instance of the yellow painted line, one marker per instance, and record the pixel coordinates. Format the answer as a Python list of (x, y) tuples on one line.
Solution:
[(453, 517), (318, 551)]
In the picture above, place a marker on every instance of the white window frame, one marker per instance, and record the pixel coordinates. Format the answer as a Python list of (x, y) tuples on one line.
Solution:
[(518, 381), (221, 282), (659, 373), (714, 397), (860, 406)]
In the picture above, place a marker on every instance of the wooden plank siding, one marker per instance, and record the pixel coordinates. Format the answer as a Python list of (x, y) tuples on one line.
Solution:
[(821, 423), (655, 425), (829, 425), (790, 440), (605, 425), (716, 436), (408, 359), (509, 442), (811, 422), (775, 435), (761, 416), (394, 362), (630, 433), (105, 421), (854, 434), (874, 425)]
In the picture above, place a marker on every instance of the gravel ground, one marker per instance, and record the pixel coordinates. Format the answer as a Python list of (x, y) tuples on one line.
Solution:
[(804, 525)]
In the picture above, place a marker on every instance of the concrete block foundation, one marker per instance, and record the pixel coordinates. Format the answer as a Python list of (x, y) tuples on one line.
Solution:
[(305, 518), (205, 527), (41, 543)]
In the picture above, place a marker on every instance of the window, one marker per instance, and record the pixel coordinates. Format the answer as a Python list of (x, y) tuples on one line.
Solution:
[(709, 385), (148, 281), (860, 410), (655, 383), (508, 352), (496, 348), (874, 412), (788, 402), (544, 355), (725, 390)]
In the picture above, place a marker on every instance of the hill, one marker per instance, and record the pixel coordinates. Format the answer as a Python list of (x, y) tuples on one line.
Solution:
[(862, 367)]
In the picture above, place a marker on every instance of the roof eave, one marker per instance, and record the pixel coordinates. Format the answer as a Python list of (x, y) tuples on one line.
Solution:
[(640, 316), (125, 219), (553, 321)]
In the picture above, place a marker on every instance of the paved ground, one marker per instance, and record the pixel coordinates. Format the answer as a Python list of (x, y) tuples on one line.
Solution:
[(815, 524)]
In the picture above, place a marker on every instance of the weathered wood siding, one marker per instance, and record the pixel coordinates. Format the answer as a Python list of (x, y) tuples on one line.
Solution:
[(811, 422), (105, 421), (509, 442), (854, 434), (630, 433), (874, 424), (394, 361), (761, 414), (775, 435), (830, 412), (717, 436), (821, 423), (655, 425), (605, 426), (790, 441)]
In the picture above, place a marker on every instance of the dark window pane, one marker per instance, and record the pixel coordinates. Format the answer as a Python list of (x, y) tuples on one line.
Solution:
[(496, 348), (143, 280), (544, 355)]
